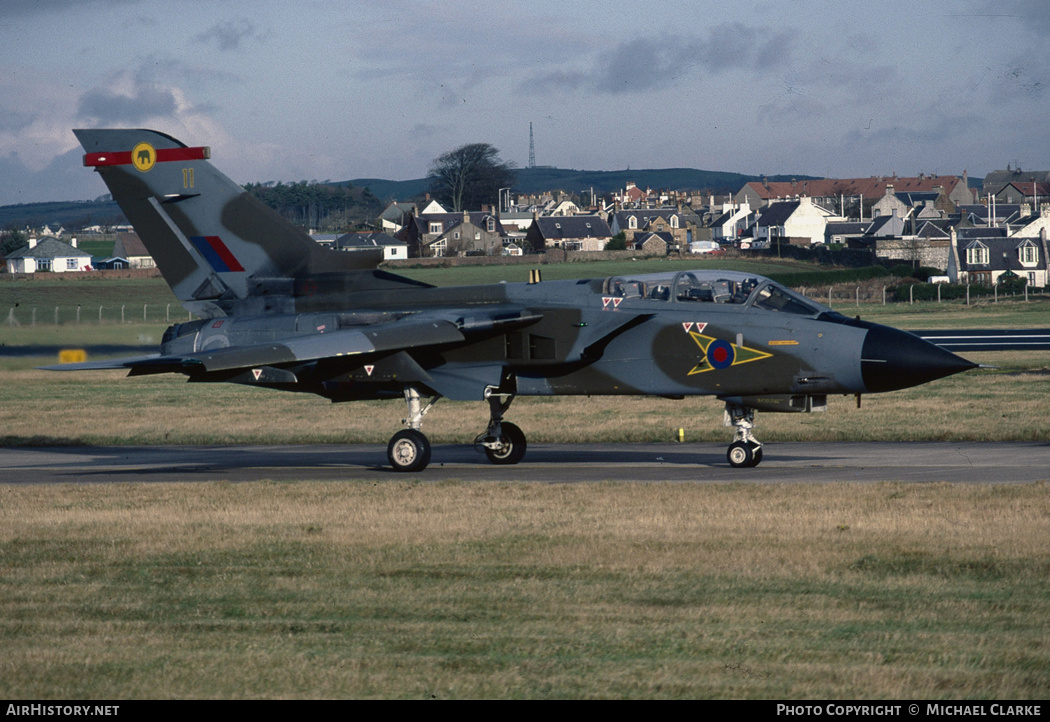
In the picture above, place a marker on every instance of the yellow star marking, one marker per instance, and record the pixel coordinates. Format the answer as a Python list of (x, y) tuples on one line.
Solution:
[(741, 354)]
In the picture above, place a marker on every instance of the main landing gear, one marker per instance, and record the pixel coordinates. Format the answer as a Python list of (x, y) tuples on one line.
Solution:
[(409, 449), (502, 442), (746, 450)]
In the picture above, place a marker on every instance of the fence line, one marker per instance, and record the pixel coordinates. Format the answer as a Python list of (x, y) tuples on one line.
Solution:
[(854, 295), (112, 314)]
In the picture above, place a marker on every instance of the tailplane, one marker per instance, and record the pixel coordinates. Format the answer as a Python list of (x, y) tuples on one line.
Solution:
[(215, 244)]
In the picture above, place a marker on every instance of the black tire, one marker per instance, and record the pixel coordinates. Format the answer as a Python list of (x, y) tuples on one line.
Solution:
[(514, 445), (408, 450), (740, 455)]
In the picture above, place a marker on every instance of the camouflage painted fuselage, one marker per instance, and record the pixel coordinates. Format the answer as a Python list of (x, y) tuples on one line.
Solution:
[(552, 338)]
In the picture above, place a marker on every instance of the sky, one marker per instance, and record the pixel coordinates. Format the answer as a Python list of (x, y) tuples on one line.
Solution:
[(336, 90)]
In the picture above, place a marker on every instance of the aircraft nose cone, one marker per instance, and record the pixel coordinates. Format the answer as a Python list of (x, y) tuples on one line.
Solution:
[(893, 359)]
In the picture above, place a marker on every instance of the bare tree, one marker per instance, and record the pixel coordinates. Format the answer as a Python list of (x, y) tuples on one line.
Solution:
[(469, 176)]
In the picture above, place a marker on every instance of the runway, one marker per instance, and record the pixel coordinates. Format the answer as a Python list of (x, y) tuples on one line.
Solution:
[(1007, 463)]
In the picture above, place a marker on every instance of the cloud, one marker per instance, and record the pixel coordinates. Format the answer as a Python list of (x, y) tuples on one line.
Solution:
[(228, 36), (108, 107), (25, 8), (656, 62)]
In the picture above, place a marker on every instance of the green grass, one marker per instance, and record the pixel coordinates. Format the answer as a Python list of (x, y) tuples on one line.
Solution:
[(84, 290), (454, 590)]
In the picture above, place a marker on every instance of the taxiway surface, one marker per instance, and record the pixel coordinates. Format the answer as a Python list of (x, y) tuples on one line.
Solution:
[(548, 463)]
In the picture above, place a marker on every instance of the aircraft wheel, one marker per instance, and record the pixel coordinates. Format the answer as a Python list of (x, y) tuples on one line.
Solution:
[(742, 455), (408, 450), (513, 445)]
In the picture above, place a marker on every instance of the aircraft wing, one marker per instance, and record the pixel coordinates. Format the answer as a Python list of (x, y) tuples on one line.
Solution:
[(400, 335)]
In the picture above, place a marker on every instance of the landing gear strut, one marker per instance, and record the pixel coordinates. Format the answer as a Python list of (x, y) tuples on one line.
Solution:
[(746, 450), (409, 449), (503, 442)]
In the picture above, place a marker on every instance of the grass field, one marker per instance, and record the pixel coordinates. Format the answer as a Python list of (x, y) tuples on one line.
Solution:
[(407, 589), (456, 590)]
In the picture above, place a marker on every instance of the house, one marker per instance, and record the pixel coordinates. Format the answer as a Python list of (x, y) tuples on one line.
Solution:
[(572, 233), (1030, 226), (48, 254), (653, 243), (994, 214), (392, 219), (515, 219), (1035, 192), (633, 196), (682, 223), (327, 240), (800, 222), (986, 259), (733, 219), (114, 263), (393, 249), (130, 246), (845, 231), (913, 204), (430, 234), (834, 192), (471, 236), (997, 180), (564, 208), (888, 226)]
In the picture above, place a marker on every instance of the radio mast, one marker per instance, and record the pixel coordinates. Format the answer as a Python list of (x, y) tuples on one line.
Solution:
[(532, 149)]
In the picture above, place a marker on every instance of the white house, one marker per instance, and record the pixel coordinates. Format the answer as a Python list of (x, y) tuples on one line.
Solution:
[(802, 221), (48, 254), (393, 249)]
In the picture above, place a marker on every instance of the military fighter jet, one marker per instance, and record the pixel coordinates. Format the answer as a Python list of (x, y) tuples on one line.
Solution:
[(277, 310)]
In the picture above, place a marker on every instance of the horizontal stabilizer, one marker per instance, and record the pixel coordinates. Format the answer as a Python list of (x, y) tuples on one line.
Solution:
[(102, 364)]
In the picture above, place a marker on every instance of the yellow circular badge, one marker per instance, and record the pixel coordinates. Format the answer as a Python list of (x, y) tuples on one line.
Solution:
[(143, 156)]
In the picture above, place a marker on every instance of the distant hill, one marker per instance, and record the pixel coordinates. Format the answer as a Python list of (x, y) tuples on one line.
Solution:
[(537, 180), (68, 214)]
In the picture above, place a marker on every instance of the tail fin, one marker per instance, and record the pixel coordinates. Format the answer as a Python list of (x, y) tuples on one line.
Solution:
[(211, 239)]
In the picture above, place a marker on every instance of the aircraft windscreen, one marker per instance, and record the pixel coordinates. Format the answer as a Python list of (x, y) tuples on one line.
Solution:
[(691, 286), (729, 287), (772, 297), (686, 286)]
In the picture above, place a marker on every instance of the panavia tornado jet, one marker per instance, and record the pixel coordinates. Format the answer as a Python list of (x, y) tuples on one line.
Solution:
[(276, 310)]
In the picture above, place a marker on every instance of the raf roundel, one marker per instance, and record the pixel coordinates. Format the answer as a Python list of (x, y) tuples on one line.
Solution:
[(143, 156), (720, 354)]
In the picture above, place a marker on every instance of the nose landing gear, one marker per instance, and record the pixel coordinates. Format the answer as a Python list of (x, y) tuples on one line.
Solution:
[(745, 451)]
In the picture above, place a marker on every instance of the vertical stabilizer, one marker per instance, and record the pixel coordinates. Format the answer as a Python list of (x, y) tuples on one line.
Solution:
[(209, 237)]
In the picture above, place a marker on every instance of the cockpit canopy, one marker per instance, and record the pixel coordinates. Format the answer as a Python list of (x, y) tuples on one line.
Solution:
[(729, 287)]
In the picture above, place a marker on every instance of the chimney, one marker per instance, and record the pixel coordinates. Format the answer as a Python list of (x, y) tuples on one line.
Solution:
[(32, 241), (73, 242)]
